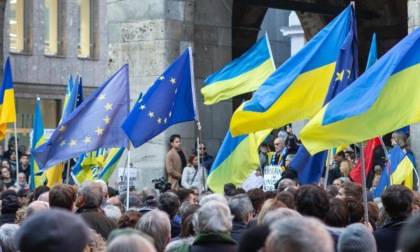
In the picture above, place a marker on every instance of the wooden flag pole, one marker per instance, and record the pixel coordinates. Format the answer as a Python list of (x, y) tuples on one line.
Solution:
[(365, 204), (17, 153)]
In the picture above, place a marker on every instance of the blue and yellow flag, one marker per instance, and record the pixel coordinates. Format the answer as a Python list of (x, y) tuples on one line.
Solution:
[(400, 171), (383, 99), (37, 140), (170, 100), (373, 53), (310, 168), (7, 99), (79, 96), (236, 160), (111, 163), (297, 89), (94, 124), (244, 74)]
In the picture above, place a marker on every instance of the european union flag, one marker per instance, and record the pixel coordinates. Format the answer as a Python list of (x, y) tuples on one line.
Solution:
[(95, 124), (309, 167), (170, 100)]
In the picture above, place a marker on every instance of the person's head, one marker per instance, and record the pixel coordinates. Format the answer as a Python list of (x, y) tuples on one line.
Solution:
[(156, 224), (56, 230), (5, 163), (350, 190), (297, 234), (409, 236), (95, 242), (12, 143), (355, 210), (12, 156), (212, 197), (7, 237), (278, 214), (279, 144), (285, 183), (345, 167), (241, 208), (186, 195), (337, 182), (338, 215), (115, 201), (289, 158), (129, 219), (338, 157), (175, 141), (269, 205), (35, 207), (62, 196), (193, 160), (332, 191), (312, 201), (23, 196), (89, 195), (112, 212), (213, 217), (130, 243), (104, 188), (227, 188), (287, 198), (397, 200), (257, 198), (400, 139), (169, 203), (44, 197), (264, 148), (21, 179), (202, 148), (9, 202), (416, 203), (24, 159), (5, 173), (40, 190), (356, 238)]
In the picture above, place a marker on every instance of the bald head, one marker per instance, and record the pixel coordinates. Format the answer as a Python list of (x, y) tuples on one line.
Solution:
[(279, 144)]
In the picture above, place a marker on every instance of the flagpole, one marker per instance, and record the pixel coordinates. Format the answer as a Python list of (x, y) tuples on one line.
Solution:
[(365, 204), (127, 199), (327, 171), (68, 172), (17, 152)]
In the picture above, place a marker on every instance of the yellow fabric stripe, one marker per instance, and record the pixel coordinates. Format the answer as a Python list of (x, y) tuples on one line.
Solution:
[(403, 173), (8, 111), (244, 83), (305, 96), (398, 99)]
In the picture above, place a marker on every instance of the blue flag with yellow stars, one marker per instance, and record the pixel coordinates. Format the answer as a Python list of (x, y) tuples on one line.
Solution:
[(170, 100), (95, 124)]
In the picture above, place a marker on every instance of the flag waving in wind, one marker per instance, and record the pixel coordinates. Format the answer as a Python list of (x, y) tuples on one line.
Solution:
[(95, 124), (7, 100), (310, 168), (170, 100), (37, 139), (383, 99), (244, 74), (297, 89)]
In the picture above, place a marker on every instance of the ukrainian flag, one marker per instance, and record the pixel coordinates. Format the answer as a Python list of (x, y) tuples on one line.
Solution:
[(400, 171), (236, 160), (38, 139), (7, 100), (244, 74), (298, 88), (383, 99), (111, 163)]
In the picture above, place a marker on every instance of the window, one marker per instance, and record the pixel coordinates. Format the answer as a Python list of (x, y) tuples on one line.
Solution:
[(87, 46), (54, 27), (19, 26)]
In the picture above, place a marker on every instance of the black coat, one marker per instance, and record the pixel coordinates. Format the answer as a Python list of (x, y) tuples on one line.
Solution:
[(386, 237), (211, 242)]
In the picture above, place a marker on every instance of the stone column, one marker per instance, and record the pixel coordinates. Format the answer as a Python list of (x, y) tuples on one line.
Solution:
[(150, 35), (413, 23)]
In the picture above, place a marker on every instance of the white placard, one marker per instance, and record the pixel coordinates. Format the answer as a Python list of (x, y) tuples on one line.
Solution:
[(272, 174)]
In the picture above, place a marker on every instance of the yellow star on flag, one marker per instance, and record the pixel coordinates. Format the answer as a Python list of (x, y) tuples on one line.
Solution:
[(142, 107), (162, 78), (176, 90), (349, 72), (62, 143), (170, 113), (101, 97), (99, 131), (106, 119), (72, 143), (108, 106), (62, 128), (87, 140), (151, 114), (173, 81), (165, 120), (159, 120), (339, 76)]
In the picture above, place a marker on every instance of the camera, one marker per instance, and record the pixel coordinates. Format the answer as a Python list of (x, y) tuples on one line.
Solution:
[(161, 184)]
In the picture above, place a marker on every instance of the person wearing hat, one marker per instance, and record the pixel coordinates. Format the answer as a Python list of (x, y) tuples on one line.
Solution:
[(356, 238), (51, 231), (9, 206)]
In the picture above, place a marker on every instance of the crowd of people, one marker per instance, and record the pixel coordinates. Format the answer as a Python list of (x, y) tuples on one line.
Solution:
[(189, 217)]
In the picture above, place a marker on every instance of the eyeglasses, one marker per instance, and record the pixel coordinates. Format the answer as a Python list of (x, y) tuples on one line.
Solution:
[(202, 148)]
